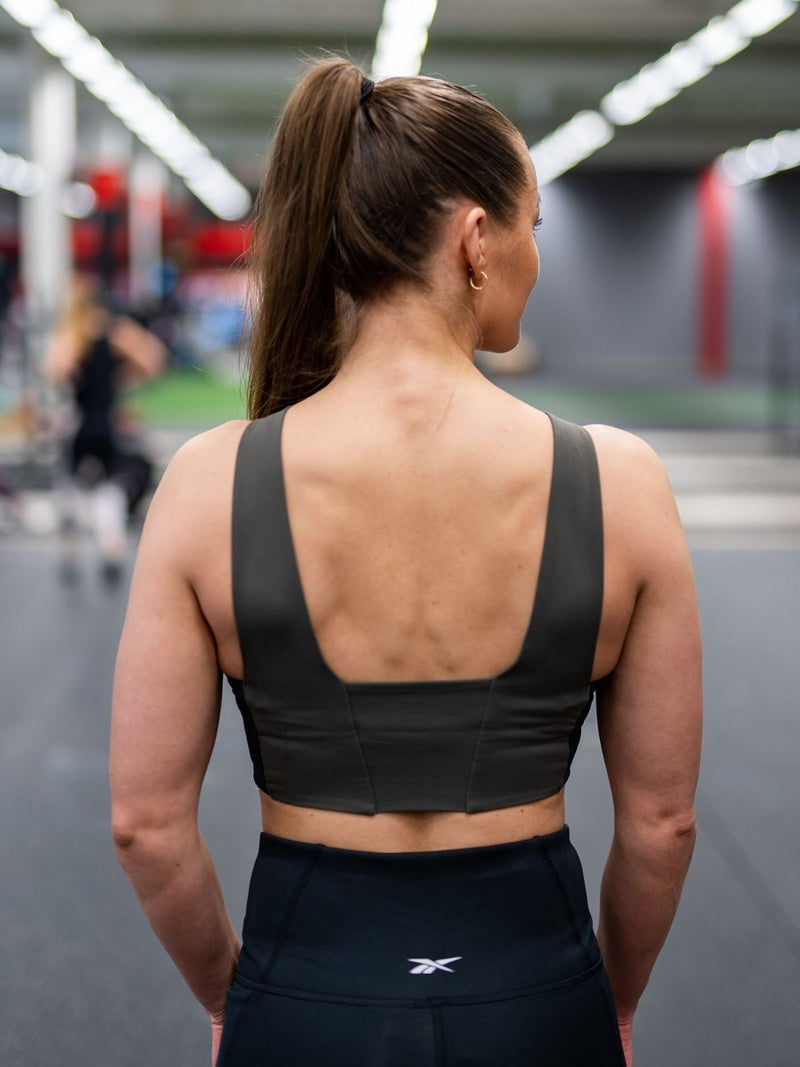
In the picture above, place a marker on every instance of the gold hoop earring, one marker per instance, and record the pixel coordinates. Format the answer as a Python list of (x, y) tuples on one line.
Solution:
[(484, 283)]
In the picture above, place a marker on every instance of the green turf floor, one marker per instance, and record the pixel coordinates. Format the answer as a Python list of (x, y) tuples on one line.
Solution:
[(197, 398)]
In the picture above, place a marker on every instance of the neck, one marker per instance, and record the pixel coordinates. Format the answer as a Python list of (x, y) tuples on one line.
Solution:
[(409, 341)]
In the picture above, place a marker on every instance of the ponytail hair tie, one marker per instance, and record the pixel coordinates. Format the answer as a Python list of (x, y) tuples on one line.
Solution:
[(367, 85)]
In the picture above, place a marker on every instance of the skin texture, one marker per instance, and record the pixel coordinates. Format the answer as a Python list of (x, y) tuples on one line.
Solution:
[(436, 580)]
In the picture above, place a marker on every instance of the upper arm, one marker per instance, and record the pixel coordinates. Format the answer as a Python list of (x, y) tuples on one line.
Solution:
[(62, 356), (167, 681), (141, 349), (650, 707)]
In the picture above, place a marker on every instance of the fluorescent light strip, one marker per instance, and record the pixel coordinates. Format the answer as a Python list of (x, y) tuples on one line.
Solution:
[(402, 37), (656, 83), (761, 158), (24, 178), (569, 144), (89, 62), (689, 61), (19, 176)]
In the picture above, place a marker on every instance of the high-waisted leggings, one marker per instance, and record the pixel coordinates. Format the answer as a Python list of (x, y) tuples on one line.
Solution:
[(481, 956)]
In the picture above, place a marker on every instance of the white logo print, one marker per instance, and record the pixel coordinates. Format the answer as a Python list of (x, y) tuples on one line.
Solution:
[(425, 966)]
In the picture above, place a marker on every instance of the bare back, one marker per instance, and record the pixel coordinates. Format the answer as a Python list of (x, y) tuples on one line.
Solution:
[(434, 580)]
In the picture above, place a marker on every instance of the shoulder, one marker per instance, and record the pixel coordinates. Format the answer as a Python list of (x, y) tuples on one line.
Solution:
[(206, 454), (193, 498), (640, 515), (628, 465)]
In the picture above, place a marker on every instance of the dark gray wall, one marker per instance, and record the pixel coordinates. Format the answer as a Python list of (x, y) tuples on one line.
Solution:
[(765, 273), (617, 300)]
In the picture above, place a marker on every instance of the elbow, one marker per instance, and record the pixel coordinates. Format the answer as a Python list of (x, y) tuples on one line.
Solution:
[(665, 829), (123, 837), (684, 826), (147, 822), (126, 834), (143, 835)]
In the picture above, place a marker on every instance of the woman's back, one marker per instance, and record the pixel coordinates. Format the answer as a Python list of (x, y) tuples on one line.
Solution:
[(418, 539), (418, 528), (384, 530)]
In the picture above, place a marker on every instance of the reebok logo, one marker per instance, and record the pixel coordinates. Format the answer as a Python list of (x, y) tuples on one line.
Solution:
[(425, 966)]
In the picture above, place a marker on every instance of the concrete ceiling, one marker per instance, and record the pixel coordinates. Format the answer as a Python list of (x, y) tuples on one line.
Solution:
[(226, 68)]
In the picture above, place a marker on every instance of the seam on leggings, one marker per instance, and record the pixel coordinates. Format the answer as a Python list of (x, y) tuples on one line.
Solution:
[(612, 1013), (567, 904), (237, 1025), (438, 1037), (287, 915), (420, 1002)]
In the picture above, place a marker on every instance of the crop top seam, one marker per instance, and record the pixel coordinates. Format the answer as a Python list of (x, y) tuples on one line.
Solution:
[(478, 736), (357, 735)]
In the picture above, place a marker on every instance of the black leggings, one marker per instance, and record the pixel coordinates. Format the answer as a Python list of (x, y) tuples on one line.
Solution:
[(480, 956)]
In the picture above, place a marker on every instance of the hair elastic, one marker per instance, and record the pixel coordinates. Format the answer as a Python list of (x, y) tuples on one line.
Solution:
[(367, 85)]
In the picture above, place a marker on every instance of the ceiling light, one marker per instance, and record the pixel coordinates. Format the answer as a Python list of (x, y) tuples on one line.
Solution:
[(18, 175), (87, 60), (59, 33), (30, 12), (79, 200), (760, 16), (720, 40), (761, 158), (657, 84), (569, 144), (625, 105), (787, 147), (686, 63), (402, 37)]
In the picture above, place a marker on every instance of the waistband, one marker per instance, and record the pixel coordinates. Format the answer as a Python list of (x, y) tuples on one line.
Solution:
[(347, 924), (473, 856)]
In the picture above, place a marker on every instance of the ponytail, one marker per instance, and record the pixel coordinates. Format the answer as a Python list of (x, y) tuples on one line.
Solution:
[(359, 182), (295, 347)]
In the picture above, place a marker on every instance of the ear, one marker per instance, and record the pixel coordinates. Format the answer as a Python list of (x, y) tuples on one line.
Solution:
[(473, 238)]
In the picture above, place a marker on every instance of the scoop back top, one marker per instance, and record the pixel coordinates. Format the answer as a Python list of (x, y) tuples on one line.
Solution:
[(449, 745)]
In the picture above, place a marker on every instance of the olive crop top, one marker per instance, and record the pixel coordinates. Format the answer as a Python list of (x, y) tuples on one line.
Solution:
[(448, 745)]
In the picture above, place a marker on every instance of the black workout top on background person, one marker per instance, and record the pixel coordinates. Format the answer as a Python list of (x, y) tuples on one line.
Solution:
[(95, 387), (450, 745)]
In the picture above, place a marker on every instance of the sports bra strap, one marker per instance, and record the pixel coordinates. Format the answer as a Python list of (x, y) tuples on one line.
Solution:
[(560, 643), (274, 630)]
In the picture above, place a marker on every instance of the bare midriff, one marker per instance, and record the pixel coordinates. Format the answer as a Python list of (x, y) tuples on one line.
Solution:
[(412, 831)]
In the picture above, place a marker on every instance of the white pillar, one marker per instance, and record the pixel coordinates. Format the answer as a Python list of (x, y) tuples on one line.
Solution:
[(148, 180), (46, 234)]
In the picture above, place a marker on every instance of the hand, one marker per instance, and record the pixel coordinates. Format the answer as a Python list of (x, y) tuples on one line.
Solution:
[(626, 1034), (217, 1022)]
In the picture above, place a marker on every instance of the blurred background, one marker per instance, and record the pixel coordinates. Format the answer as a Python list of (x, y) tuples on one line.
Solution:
[(132, 141)]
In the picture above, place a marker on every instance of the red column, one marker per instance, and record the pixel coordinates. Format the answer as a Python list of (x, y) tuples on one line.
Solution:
[(713, 202)]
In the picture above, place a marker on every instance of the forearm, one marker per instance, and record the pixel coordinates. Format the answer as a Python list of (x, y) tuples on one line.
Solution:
[(177, 885), (641, 887)]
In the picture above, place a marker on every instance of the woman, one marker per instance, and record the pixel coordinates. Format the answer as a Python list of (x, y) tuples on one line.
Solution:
[(93, 354), (424, 582)]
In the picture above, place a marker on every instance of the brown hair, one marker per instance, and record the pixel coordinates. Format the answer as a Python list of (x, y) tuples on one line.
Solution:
[(352, 203)]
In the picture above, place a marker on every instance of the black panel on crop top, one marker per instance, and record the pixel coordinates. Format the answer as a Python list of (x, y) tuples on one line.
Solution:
[(366, 747)]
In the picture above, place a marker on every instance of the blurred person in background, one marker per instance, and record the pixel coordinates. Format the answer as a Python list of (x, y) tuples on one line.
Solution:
[(94, 353), (415, 584), (5, 294)]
